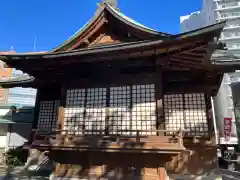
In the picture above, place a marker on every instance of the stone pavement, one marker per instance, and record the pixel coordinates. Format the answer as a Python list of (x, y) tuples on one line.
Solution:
[(230, 175), (19, 173)]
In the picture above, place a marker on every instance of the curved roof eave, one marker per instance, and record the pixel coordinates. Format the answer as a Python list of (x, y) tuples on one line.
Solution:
[(215, 28), (24, 79), (120, 16), (82, 29), (125, 19)]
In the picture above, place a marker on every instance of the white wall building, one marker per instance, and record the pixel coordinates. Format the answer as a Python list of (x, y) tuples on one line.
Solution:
[(21, 96), (214, 11)]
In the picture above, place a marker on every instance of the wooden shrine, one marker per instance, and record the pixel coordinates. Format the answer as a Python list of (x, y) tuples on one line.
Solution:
[(121, 101)]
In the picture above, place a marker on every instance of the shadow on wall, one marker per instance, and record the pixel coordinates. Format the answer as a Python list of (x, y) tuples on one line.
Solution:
[(97, 165)]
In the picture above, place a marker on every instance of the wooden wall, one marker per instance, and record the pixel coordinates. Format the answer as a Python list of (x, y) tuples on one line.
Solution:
[(95, 164)]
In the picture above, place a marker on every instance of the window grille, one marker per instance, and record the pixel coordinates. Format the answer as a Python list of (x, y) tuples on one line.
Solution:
[(47, 118), (95, 110), (174, 112), (195, 112), (74, 111), (186, 111), (144, 108), (130, 108), (119, 111)]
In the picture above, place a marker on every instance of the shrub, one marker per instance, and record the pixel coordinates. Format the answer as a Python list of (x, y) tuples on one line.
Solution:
[(16, 156)]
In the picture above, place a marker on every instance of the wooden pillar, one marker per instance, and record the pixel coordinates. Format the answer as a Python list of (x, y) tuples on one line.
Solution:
[(35, 116), (61, 109), (159, 100), (209, 114), (36, 109), (162, 173)]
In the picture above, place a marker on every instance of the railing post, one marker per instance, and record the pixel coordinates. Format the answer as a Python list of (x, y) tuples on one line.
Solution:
[(138, 137), (180, 141)]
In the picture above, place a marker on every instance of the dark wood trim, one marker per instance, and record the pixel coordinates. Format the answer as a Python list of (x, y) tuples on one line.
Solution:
[(36, 114), (36, 109), (159, 100), (208, 110), (61, 109), (63, 96)]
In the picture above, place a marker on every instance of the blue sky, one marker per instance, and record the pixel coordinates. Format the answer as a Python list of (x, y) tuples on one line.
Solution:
[(53, 21)]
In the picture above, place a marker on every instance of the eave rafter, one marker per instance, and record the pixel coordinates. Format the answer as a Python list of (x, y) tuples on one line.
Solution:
[(84, 38), (171, 52)]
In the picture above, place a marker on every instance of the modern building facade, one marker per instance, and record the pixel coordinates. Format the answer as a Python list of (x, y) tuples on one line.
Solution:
[(226, 103), (21, 96)]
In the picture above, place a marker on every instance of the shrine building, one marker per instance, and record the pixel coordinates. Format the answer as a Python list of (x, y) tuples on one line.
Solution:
[(119, 100)]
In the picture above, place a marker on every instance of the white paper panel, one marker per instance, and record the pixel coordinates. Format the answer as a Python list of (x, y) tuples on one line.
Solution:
[(186, 112), (195, 113), (74, 111), (174, 112), (119, 111), (95, 110), (144, 108)]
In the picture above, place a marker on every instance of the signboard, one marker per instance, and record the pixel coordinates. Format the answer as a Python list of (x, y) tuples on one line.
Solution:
[(227, 128)]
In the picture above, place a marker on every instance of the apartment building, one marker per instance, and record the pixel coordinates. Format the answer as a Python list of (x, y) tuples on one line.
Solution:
[(226, 102)]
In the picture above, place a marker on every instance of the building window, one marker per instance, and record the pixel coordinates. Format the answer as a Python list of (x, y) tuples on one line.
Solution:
[(186, 111)]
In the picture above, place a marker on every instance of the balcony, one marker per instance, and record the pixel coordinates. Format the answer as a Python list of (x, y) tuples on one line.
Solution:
[(232, 26), (228, 15), (168, 143), (230, 36), (234, 47), (228, 6)]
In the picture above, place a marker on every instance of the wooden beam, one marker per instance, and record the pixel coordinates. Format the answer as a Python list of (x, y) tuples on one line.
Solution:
[(192, 59), (178, 62), (92, 30), (189, 87), (194, 55), (193, 47)]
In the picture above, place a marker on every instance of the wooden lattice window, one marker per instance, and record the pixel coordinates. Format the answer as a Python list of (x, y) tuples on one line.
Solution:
[(74, 112), (95, 110), (130, 108), (195, 114), (47, 118), (174, 112), (144, 108), (186, 111), (119, 111)]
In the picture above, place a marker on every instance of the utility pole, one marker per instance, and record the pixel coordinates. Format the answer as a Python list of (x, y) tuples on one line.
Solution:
[(34, 44)]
